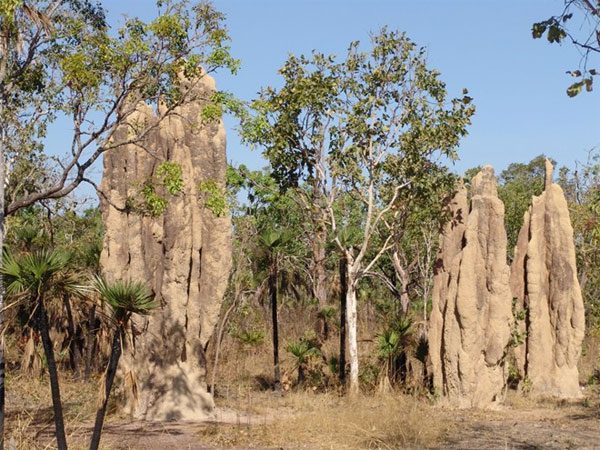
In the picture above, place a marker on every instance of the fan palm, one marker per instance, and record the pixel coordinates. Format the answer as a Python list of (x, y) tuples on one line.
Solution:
[(32, 277), (302, 350), (124, 298), (390, 345), (274, 241)]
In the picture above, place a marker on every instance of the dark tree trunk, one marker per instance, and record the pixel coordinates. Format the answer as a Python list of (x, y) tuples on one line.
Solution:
[(273, 296), (44, 329), (111, 371), (73, 348), (91, 342), (301, 376), (343, 290)]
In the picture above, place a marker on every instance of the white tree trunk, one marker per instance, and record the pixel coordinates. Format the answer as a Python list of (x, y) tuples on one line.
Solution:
[(352, 329)]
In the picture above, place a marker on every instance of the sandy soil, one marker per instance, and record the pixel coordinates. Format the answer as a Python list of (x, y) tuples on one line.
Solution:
[(559, 427), (545, 426)]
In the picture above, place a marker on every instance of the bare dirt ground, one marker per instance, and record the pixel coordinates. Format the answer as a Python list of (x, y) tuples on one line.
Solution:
[(550, 427), (311, 422), (537, 429)]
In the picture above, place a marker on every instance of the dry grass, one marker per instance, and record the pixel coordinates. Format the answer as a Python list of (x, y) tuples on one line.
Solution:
[(30, 420), (306, 420), (589, 364), (327, 421)]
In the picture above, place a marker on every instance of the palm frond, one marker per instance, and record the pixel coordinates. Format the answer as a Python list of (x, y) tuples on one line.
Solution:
[(128, 296), (388, 343), (40, 271), (12, 274)]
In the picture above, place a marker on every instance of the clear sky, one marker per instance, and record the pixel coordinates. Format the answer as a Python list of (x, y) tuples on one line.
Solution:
[(518, 84)]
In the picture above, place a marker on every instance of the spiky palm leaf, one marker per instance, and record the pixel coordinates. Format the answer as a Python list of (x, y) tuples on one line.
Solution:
[(126, 297), (302, 350), (273, 239), (37, 273), (387, 343)]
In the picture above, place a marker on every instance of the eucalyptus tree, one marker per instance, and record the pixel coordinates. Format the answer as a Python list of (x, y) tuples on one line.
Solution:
[(366, 127), (59, 59), (408, 268)]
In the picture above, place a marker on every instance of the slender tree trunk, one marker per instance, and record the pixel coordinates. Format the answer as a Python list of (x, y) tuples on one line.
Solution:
[(273, 295), (2, 364), (91, 343), (301, 374), (319, 272), (111, 371), (319, 277), (318, 240), (44, 328), (404, 298), (404, 278), (352, 324), (343, 290), (219, 339), (73, 353)]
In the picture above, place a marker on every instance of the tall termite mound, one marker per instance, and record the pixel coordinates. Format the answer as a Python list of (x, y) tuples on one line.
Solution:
[(184, 253), (471, 320), (545, 285)]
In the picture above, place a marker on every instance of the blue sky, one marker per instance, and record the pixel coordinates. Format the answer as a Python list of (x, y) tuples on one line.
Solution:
[(518, 84)]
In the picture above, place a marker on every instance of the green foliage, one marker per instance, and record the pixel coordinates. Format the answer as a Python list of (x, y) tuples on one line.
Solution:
[(303, 349), (526, 386), (63, 58), (387, 343), (374, 84), (251, 337), (8, 9), (152, 197), (584, 37), (554, 30), (215, 199), (171, 176), (391, 341), (126, 297), (369, 375), (275, 239), (581, 188), (594, 378), (78, 72), (356, 142), (34, 276), (328, 312), (518, 183), (333, 363), (153, 204)]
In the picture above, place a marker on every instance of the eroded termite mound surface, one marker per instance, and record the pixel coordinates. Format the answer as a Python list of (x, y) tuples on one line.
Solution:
[(183, 252)]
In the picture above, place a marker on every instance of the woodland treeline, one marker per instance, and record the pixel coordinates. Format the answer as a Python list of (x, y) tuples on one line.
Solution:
[(274, 255), (334, 242)]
